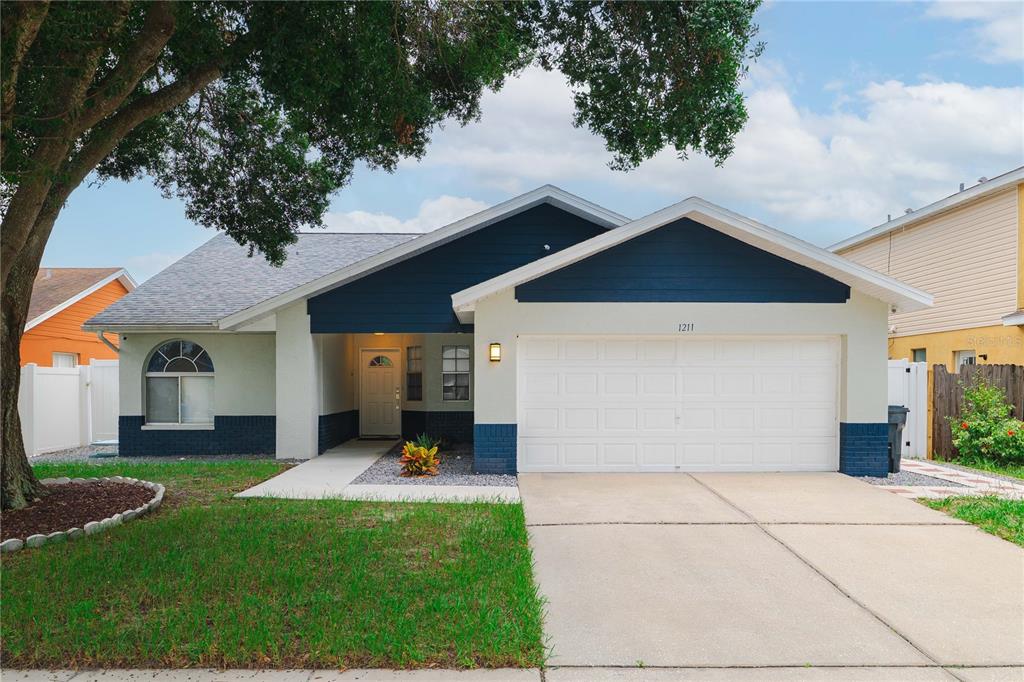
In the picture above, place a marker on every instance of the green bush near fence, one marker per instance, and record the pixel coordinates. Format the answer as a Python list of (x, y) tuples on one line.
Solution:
[(986, 429)]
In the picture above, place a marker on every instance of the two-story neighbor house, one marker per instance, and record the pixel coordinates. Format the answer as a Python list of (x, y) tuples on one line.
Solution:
[(555, 334), (966, 251)]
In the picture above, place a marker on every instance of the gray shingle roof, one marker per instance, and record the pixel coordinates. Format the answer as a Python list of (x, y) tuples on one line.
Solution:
[(219, 278)]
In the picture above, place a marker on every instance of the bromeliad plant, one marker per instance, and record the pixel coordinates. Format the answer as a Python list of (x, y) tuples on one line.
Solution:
[(986, 429), (418, 460)]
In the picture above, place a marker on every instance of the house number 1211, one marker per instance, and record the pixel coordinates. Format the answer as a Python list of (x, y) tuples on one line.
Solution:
[(686, 326)]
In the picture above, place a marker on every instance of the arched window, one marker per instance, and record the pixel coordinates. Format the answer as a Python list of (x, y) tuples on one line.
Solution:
[(380, 361), (179, 384)]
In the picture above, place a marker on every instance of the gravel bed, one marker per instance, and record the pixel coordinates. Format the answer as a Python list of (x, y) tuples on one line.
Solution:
[(980, 472), (456, 469), (93, 454), (910, 478)]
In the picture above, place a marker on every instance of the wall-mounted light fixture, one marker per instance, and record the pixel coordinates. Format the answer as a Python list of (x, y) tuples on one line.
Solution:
[(494, 352), (378, 333)]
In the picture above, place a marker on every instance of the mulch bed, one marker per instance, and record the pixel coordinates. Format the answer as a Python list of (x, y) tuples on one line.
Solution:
[(72, 505)]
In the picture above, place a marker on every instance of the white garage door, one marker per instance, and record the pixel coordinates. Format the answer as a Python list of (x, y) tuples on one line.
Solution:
[(678, 403)]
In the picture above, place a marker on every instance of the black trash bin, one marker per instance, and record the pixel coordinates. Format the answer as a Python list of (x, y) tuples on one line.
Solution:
[(897, 420)]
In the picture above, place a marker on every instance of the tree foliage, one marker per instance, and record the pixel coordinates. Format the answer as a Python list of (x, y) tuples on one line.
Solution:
[(254, 113)]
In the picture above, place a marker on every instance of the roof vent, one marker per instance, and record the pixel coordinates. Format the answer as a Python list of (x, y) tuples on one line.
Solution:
[(908, 211), (961, 187), (982, 180)]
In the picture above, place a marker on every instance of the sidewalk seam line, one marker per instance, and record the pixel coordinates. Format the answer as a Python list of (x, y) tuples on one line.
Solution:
[(821, 573)]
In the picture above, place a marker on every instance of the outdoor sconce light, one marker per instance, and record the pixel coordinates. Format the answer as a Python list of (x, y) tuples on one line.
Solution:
[(494, 352)]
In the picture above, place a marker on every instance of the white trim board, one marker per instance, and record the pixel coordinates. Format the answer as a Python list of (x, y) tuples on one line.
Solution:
[(121, 274), (985, 188), (547, 194), (902, 296)]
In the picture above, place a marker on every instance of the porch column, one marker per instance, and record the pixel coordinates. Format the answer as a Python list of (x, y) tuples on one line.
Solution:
[(297, 384)]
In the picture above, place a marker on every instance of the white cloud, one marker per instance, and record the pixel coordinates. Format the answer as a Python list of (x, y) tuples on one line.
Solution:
[(997, 30), (433, 213), (909, 144)]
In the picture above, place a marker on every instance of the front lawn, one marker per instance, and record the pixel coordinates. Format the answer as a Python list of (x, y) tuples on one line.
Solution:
[(1004, 518), (210, 581)]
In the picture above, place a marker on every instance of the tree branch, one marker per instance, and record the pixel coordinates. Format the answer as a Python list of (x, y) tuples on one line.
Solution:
[(37, 178), (19, 32), (111, 92)]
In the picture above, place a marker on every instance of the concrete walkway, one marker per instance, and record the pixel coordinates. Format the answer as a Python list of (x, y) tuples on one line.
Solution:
[(975, 482), (331, 475), (325, 476), (557, 674), (776, 570)]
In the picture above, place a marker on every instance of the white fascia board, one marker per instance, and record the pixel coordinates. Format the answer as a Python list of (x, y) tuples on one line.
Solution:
[(1013, 319), (121, 275), (990, 186), (546, 194), (875, 284), (151, 328)]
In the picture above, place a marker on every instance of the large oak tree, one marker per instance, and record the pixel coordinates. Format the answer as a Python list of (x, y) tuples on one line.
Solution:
[(254, 113)]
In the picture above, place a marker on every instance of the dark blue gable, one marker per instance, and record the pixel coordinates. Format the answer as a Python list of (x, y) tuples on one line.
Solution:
[(415, 295), (684, 261)]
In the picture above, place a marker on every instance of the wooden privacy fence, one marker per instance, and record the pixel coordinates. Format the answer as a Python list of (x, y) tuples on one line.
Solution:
[(948, 396)]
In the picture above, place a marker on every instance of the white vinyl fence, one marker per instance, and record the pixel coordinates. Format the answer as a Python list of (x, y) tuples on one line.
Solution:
[(908, 386), (67, 407)]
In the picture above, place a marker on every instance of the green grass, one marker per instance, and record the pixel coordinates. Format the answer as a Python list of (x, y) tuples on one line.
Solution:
[(1015, 470), (213, 581), (1004, 518)]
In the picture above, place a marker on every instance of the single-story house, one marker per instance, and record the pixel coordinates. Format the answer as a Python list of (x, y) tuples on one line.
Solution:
[(554, 334)]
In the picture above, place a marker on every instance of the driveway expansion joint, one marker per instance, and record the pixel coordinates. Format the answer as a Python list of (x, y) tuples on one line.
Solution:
[(921, 650)]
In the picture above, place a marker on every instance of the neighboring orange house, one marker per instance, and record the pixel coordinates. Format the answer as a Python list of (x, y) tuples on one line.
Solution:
[(63, 299)]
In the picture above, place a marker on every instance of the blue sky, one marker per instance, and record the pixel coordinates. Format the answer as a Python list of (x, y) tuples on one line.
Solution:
[(857, 110)]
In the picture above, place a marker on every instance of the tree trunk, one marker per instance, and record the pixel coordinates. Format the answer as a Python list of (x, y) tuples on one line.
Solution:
[(18, 485)]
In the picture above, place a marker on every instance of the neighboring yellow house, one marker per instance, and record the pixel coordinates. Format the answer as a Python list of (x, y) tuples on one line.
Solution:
[(966, 250)]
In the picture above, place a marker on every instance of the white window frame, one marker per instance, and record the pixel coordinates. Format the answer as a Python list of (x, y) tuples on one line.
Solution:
[(173, 375), (468, 372), (964, 357), (409, 371), (56, 354)]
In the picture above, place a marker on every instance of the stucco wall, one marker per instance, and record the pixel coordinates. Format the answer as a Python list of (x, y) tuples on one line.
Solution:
[(861, 324), (339, 361), (243, 370)]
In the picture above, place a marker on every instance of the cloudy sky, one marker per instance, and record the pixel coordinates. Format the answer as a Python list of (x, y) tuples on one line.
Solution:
[(857, 110)]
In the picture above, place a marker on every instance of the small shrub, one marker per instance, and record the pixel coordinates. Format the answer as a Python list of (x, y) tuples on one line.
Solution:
[(426, 441), (986, 429), (419, 461)]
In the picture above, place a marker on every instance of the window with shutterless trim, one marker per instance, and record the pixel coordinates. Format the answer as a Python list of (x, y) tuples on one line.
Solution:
[(414, 373), (455, 363), (179, 384)]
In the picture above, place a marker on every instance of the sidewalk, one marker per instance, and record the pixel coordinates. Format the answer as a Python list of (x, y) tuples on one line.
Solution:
[(845, 673), (975, 482)]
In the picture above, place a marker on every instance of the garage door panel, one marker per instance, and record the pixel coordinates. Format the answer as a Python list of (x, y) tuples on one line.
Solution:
[(678, 404)]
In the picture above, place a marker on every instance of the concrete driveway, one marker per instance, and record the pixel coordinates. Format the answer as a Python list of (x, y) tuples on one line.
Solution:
[(732, 571)]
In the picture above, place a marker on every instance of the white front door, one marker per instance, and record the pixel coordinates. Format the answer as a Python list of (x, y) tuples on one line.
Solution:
[(380, 393), (589, 403)]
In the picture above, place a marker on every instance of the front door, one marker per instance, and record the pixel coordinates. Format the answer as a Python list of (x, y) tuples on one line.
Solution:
[(380, 397)]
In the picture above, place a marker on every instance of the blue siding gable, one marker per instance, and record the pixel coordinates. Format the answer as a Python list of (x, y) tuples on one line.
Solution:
[(684, 261), (414, 296)]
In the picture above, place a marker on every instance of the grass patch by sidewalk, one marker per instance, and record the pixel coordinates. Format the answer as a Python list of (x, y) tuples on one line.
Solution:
[(992, 467), (994, 515), (210, 581)]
